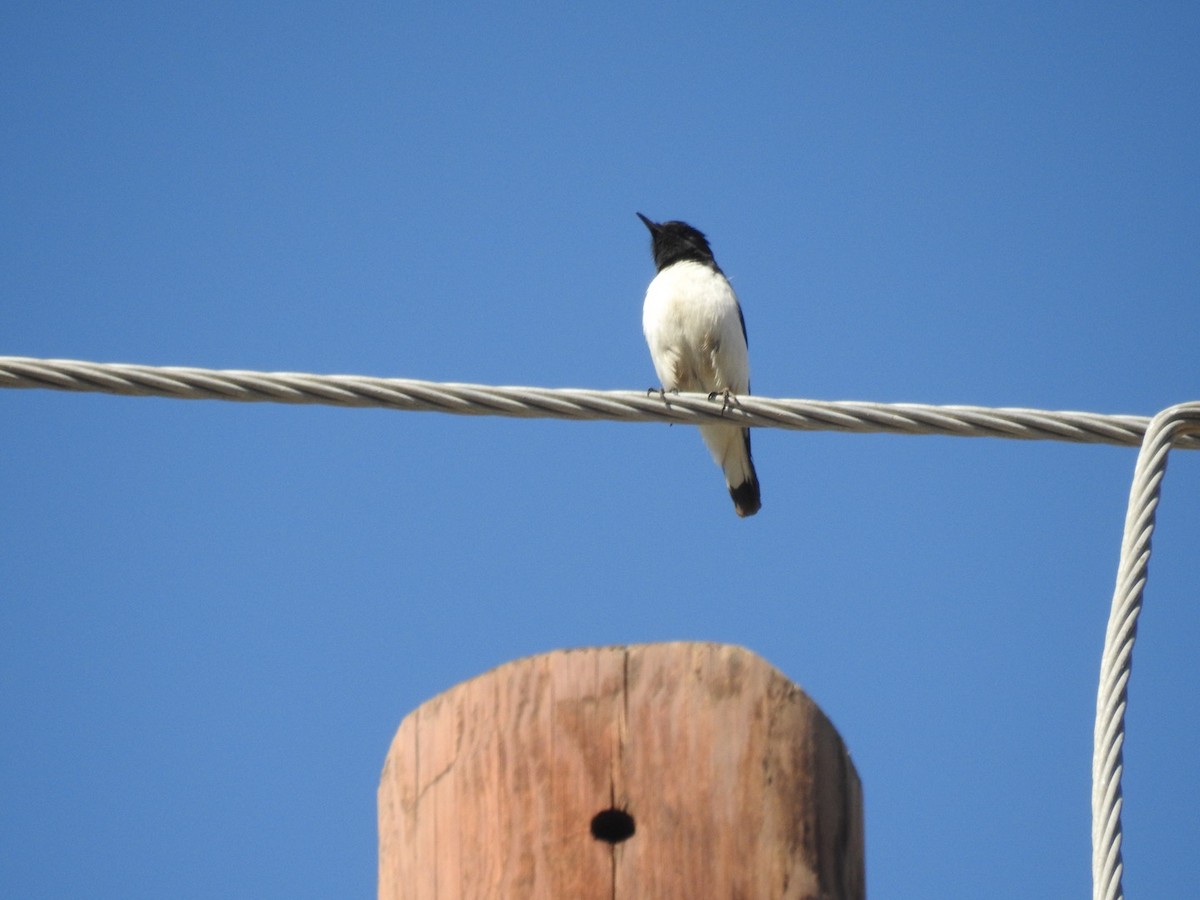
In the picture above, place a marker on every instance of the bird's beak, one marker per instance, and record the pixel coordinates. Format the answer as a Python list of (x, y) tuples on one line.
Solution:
[(653, 226)]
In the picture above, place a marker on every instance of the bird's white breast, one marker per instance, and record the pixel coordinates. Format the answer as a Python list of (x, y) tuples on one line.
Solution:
[(692, 325)]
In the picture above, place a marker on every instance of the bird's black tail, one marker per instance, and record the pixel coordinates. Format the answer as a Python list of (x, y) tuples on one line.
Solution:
[(746, 498), (730, 447)]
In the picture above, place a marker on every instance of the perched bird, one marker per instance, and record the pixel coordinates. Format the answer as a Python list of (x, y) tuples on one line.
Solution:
[(697, 339)]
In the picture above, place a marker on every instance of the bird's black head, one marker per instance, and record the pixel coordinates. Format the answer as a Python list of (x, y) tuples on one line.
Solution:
[(674, 242)]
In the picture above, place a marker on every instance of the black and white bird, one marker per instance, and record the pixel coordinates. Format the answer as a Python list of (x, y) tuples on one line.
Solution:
[(697, 339)]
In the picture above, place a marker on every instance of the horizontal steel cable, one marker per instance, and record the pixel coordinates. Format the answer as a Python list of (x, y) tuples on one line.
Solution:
[(573, 403), (1167, 428)]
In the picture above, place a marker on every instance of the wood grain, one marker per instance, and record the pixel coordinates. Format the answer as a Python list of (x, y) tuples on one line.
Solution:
[(737, 785)]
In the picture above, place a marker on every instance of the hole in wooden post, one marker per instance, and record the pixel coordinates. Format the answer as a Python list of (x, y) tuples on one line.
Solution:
[(612, 826)]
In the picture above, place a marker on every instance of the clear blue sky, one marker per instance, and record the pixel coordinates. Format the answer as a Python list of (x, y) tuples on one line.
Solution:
[(214, 616)]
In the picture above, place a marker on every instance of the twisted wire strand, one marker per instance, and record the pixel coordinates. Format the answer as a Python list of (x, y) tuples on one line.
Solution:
[(1169, 427), (573, 403)]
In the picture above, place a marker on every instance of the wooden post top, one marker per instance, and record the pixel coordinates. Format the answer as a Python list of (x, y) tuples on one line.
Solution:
[(656, 771)]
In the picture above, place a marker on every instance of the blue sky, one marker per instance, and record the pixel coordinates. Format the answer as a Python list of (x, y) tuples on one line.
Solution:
[(214, 616)]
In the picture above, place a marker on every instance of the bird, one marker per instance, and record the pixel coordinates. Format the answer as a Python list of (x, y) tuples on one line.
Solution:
[(697, 337)]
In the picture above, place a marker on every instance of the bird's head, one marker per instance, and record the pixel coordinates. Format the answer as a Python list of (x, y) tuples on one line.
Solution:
[(673, 242)]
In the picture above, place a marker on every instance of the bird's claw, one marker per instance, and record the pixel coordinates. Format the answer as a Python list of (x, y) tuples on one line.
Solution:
[(662, 393), (726, 398)]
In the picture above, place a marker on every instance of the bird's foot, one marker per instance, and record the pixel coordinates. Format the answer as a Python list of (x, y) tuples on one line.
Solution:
[(662, 393), (728, 399)]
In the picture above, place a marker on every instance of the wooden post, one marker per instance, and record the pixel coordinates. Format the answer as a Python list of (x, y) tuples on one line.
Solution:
[(655, 772)]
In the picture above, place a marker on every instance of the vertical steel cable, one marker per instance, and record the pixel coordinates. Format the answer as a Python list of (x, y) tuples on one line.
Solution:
[(1109, 738)]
